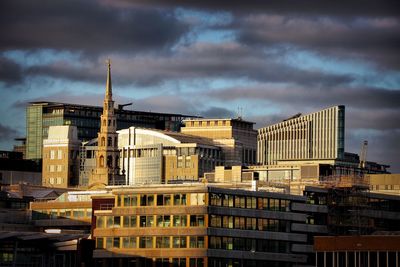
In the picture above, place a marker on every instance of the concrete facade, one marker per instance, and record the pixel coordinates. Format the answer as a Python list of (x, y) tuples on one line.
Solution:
[(60, 157), (319, 135), (237, 138)]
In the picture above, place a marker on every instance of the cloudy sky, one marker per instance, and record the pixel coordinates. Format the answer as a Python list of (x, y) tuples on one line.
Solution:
[(266, 60)]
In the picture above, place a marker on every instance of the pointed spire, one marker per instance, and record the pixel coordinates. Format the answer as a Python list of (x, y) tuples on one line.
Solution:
[(108, 84)]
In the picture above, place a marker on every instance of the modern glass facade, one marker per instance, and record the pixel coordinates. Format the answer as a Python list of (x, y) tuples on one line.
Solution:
[(41, 115)]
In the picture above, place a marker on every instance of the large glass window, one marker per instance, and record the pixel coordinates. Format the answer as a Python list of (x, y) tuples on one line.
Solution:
[(179, 199), (162, 242), (179, 220), (129, 242), (163, 220), (147, 200), (129, 221), (145, 242), (147, 221), (196, 242), (164, 200), (130, 201), (179, 242), (197, 220)]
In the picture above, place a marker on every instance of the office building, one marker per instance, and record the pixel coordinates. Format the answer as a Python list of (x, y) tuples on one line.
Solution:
[(236, 137), (41, 115), (317, 136), (60, 157), (152, 156), (199, 225)]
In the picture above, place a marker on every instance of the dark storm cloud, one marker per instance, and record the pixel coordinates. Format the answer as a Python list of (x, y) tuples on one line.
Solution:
[(383, 146), (376, 119), (7, 132), (373, 39), (354, 97), (343, 8), (10, 72), (86, 26), (198, 61), (217, 112)]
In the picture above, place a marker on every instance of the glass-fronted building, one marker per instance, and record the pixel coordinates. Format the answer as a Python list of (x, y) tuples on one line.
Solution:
[(41, 115)]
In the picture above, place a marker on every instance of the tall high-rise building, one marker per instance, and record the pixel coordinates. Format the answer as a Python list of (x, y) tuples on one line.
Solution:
[(107, 154), (41, 115), (317, 136)]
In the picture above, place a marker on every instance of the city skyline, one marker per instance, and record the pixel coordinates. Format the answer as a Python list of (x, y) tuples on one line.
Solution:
[(209, 59)]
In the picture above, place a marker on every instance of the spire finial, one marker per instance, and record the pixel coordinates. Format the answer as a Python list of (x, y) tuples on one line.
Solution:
[(108, 84)]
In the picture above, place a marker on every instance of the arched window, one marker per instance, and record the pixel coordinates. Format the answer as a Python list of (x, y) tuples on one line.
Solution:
[(109, 141), (101, 161), (115, 141), (103, 141)]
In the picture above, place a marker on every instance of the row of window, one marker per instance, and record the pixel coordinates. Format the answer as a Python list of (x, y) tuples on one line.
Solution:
[(247, 223), (248, 244), (134, 242), (145, 200), (150, 221), (247, 202), (61, 213)]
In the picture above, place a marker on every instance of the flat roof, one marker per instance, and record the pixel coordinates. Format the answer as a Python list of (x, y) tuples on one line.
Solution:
[(60, 104)]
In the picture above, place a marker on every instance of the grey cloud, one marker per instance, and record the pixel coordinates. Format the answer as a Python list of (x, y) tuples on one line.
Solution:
[(383, 146), (87, 26), (355, 97), (217, 112), (369, 118), (376, 40), (7, 132), (198, 61), (347, 8), (10, 72)]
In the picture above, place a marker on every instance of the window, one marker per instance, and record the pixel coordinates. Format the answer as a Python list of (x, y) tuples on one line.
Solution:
[(147, 200), (59, 180), (116, 242), (129, 221), (179, 199), (197, 199), (179, 220), (59, 154), (162, 242), (179, 242), (52, 154), (164, 200), (197, 220), (147, 221), (215, 221), (129, 242), (196, 262), (196, 242), (99, 242), (163, 220), (117, 221), (130, 201), (100, 221), (145, 242), (215, 199)]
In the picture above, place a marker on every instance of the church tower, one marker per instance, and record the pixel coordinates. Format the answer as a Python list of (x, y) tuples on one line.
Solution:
[(107, 154)]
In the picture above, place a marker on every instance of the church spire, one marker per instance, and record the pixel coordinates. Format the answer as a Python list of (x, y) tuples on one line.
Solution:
[(108, 84)]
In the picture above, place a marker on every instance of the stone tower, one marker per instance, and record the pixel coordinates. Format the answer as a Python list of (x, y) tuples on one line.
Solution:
[(107, 154)]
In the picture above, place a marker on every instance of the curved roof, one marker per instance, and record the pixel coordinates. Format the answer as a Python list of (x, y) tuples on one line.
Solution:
[(152, 136)]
